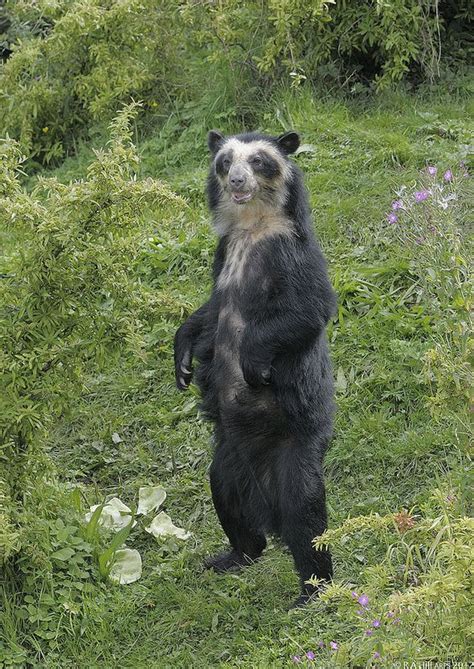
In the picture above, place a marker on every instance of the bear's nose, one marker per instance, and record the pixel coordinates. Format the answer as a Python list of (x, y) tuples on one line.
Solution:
[(237, 180)]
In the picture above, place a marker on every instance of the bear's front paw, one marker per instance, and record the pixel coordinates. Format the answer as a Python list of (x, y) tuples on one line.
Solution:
[(257, 372), (183, 368)]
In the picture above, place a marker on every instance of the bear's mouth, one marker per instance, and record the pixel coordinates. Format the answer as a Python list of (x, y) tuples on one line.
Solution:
[(241, 198)]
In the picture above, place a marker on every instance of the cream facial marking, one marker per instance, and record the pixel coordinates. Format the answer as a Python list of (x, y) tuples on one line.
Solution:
[(242, 152), (252, 192), (248, 170), (252, 178)]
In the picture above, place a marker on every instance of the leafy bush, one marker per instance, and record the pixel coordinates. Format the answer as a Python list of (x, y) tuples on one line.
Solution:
[(90, 56), (73, 62), (304, 39), (69, 303), (414, 603)]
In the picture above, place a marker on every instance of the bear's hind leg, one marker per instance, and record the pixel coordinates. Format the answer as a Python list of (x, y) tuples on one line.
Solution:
[(305, 518), (247, 543)]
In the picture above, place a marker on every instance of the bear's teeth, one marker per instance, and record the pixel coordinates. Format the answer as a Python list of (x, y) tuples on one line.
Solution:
[(241, 197)]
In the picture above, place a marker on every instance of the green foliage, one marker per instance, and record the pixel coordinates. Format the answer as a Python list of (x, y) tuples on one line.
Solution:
[(93, 55), (73, 62), (68, 303), (71, 298), (52, 591), (328, 40), (418, 592), (106, 557)]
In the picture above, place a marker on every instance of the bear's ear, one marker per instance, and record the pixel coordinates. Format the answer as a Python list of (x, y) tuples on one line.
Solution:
[(288, 142), (215, 139)]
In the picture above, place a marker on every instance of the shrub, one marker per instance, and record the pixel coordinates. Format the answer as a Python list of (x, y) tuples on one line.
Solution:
[(414, 604), (73, 62), (89, 56), (302, 39), (68, 302)]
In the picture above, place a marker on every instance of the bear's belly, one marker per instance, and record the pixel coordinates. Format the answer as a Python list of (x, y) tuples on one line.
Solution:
[(242, 407), (228, 373)]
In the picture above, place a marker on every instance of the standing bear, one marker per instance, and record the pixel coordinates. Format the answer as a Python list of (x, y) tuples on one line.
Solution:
[(264, 369)]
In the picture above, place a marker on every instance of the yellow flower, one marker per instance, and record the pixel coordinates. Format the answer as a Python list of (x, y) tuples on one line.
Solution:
[(45, 129)]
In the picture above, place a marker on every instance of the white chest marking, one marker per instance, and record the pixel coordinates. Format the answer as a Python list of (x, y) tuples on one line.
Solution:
[(237, 254), (248, 231)]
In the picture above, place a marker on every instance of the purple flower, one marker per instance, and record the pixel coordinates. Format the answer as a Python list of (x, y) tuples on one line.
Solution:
[(354, 594), (321, 644), (390, 614), (363, 601), (310, 655), (333, 645), (360, 612), (396, 621), (397, 204), (392, 218), (421, 195), (376, 655), (376, 623), (448, 175), (296, 659), (369, 632), (431, 169)]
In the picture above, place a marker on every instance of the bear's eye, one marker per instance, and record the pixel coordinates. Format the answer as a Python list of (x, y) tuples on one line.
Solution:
[(257, 161), (226, 162)]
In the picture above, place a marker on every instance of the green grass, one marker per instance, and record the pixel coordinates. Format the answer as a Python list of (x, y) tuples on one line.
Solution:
[(389, 451)]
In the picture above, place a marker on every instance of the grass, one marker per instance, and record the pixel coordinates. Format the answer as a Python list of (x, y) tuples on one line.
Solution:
[(389, 451)]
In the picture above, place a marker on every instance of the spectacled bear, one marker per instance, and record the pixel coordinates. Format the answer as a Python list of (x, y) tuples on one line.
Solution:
[(264, 370)]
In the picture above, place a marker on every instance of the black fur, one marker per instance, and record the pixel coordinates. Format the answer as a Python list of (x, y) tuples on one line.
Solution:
[(288, 142), (214, 141), (273, 426), (223, 162), (267, 166)]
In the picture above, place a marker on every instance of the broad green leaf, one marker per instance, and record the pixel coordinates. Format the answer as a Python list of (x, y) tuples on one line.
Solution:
[(150, 499), (127, 567), (162, 526), (63, 554), (106, 558), (92, 519)]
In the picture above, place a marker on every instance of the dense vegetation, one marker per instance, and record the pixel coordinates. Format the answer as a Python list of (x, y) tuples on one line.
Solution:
[(103, 256), (72, 62)]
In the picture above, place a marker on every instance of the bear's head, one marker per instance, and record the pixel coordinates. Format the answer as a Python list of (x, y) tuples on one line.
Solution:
[(251, 166)]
